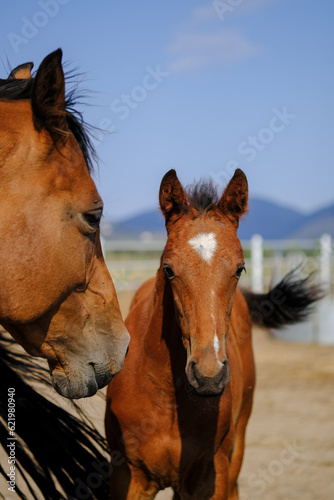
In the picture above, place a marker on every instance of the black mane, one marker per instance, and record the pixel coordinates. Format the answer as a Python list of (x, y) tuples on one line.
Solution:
[(15, 89), (203, 195)]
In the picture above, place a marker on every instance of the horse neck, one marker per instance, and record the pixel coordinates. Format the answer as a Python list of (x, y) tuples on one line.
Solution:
[(162, 346)]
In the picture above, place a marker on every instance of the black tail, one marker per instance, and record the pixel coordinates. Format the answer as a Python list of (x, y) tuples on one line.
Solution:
[(57, 455), (291, 301)]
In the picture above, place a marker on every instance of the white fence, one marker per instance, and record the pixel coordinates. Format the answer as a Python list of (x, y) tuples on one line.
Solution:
[(310, 255)]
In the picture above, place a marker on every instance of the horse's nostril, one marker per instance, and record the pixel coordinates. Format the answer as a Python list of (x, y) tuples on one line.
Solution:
[(127, 350), (225, 371), (194, 375)]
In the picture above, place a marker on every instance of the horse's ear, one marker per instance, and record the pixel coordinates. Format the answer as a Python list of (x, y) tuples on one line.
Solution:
[(172, 197), (21, 72), (234, 202), (48, 97)]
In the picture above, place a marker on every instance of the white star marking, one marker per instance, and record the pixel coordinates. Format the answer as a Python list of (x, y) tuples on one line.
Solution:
[(205, 245)]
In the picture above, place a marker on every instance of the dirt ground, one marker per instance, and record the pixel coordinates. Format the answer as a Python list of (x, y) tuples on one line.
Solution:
[(290, 436)]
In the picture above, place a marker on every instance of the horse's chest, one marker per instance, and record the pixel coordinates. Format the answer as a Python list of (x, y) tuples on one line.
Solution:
[(158, 451), (175, 441)]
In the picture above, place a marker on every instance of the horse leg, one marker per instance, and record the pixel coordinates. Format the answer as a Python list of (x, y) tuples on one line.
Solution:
[(234, 495), (238, 450), (120, 480), (221, 487), (130, 483)]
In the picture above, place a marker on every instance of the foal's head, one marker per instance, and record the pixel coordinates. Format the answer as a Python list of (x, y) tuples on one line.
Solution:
[(203, 261)]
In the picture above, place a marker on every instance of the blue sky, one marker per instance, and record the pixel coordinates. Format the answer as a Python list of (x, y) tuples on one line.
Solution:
[(202, 87)]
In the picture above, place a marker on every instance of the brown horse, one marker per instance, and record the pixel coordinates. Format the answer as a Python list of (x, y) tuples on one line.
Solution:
[(56, 296), (189, 376)]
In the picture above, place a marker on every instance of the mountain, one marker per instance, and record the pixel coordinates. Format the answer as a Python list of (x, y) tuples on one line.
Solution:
[(151, 221), (271, 220), (318, 223)]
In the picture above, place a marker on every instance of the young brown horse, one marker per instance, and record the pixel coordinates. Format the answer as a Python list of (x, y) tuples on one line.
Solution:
[(189, 376), (56, 296)]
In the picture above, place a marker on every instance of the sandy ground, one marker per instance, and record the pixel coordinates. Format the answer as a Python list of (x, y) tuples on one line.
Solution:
[(290, 436)]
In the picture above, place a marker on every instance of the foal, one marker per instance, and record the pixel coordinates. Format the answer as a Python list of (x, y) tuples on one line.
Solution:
[(187, 341), (179, 408)]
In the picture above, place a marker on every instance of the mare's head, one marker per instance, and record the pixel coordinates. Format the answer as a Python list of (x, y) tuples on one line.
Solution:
[(203, 261), (56, 296)]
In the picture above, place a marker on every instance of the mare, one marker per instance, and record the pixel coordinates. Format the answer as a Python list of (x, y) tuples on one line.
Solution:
[(189, 376), (56, 296)]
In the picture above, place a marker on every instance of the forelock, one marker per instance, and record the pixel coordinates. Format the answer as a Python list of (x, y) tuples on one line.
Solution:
[(203, 195)]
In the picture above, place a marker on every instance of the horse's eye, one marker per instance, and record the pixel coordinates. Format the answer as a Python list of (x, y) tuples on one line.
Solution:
[(93, 218), (239, 270), (169, 272)]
